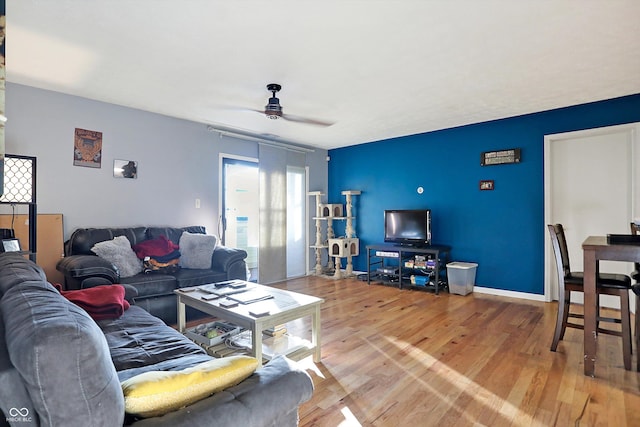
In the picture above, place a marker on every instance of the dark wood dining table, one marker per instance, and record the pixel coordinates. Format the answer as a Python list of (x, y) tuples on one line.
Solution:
[(596, 248)]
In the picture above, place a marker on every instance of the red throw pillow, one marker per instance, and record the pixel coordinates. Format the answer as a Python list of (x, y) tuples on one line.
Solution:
[(158, 247)]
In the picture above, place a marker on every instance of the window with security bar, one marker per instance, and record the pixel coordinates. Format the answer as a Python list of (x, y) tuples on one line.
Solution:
[(19, 179), (20, 189)]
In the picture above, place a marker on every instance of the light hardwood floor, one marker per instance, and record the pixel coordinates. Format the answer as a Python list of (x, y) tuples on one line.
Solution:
[(395, 357)]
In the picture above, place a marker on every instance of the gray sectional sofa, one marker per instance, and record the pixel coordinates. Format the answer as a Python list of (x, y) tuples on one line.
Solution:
[(82, 268), (60, 367)]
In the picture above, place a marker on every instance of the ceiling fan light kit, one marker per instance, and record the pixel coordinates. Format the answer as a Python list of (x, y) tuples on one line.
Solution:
[(273, 109)]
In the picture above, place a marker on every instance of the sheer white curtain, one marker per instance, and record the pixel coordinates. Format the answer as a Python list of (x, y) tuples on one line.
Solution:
[(273, 162)]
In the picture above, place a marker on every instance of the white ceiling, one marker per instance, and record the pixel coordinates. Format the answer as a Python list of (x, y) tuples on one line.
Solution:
[(378, 69)]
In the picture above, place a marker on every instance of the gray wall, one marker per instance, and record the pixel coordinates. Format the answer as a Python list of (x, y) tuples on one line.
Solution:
[(178, 161)]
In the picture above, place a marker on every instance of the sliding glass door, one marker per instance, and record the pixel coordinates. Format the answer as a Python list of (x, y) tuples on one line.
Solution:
[(264, 213)]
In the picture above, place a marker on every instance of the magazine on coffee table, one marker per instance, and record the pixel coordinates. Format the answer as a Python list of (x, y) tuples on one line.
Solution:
[(225, 292), (250, 296), (213, 288)]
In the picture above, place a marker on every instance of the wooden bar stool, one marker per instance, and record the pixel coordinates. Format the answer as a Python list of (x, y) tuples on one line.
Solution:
[(607, 284)]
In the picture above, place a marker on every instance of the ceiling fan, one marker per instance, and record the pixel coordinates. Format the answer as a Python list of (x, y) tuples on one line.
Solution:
[(273, 109)]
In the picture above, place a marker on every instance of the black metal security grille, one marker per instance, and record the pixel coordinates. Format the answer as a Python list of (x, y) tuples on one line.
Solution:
[(19, 179)]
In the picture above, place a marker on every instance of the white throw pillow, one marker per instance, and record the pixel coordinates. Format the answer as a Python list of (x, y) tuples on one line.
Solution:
[(118, 252), (196, 250)]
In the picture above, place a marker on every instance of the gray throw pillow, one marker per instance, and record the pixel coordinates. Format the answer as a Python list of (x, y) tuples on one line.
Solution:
[(196, 250), (118, 252)]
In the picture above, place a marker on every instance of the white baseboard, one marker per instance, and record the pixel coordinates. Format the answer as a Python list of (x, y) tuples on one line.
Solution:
[(355, 273), (606, 301), (493, 291), (505, 293)]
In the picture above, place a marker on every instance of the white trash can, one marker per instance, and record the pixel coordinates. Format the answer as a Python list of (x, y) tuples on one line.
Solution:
[(461, 277)]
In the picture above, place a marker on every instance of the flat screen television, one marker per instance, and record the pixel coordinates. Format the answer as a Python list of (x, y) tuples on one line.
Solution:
[(411, 227)]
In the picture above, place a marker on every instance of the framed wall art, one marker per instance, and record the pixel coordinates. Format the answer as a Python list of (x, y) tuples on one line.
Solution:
[(486, 184), (125, 169), (87, 148)]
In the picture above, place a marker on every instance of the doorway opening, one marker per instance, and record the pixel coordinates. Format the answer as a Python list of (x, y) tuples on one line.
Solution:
[(591, 188), (240, 209), (240, 217)]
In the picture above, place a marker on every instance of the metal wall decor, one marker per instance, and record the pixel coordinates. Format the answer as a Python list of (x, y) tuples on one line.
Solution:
[(500, 157)]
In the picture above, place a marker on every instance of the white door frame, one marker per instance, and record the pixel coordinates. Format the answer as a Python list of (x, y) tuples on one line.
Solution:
[(223, 156), (306, 224), (632, 129)]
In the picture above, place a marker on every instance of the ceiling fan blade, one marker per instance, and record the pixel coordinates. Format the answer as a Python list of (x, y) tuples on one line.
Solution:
[(299, 119), (253, 110)]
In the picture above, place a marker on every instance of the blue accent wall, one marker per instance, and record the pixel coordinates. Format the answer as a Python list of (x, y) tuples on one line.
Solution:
[(502, 230)]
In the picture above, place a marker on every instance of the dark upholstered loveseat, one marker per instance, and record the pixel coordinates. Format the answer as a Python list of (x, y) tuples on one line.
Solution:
[(82, 268), (61, 368)]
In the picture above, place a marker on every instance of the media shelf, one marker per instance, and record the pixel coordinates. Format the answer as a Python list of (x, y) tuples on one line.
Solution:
[(395, 265)]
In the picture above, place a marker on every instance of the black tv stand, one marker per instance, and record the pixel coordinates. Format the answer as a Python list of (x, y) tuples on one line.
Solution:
[(382, 257), (410, 245)]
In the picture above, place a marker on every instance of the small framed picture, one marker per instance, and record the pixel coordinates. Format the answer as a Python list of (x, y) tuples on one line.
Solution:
[(10, 245), (125, 169), (486, 185)]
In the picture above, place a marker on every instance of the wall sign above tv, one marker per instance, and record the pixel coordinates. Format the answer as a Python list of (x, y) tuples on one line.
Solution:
[(501, 157)]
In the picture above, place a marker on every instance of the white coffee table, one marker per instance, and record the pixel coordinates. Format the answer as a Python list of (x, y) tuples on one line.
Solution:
[(284, 307)]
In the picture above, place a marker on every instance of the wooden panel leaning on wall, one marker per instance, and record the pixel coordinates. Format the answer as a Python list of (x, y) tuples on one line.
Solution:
[(49, 237)]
